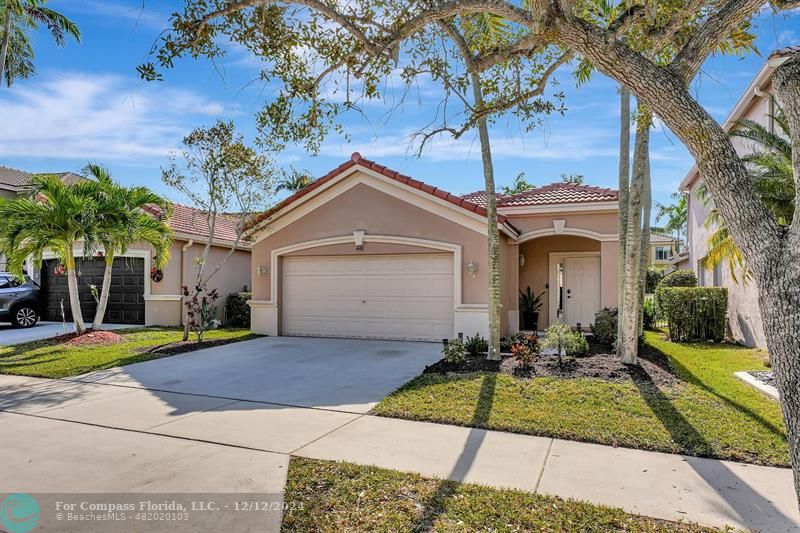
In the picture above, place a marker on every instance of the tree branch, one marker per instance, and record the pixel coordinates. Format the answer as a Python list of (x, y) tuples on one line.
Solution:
[(711, 33)]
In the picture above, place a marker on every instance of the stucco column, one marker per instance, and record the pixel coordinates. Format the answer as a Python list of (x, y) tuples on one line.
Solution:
[(608, 273)]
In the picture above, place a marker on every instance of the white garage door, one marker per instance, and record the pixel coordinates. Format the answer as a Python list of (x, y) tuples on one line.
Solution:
[(378, 296)]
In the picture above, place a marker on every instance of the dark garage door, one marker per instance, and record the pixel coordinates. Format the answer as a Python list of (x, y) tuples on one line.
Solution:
[(125, 301)]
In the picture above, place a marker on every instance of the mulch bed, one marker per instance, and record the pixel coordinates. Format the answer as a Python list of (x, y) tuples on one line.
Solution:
[(89, 337), (173, 348), (653, 366)]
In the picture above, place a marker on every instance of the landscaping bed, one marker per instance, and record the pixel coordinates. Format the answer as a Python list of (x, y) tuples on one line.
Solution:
[(684, 399), (333, 496), (599, 363), (70, 355)]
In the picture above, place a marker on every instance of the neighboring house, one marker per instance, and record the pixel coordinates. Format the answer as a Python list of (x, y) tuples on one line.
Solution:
[(368, 252), (136, 298), (662, 248), (744, 315)]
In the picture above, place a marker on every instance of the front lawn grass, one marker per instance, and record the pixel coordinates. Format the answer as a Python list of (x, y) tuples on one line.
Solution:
[(50, 359), (333, 496), (708, 413)]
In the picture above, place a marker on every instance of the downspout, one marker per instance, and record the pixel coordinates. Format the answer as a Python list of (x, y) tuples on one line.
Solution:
[(183, 253)]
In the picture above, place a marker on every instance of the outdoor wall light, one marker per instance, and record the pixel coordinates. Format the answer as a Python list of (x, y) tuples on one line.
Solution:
[(521, 260), (472, 269), (261, 270)]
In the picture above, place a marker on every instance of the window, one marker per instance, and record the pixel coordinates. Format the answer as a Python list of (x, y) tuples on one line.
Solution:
[(717, 275), (701, 272), (663, 253), (5, 283)]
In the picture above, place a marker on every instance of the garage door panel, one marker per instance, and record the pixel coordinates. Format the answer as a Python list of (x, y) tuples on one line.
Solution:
[(393, 296)]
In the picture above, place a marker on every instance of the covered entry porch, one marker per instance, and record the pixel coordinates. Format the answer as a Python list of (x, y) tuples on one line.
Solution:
[(575, 275)]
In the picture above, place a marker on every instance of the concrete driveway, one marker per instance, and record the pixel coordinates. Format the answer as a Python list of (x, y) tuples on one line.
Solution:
[(220, 420), (43, 330), (334, 374)]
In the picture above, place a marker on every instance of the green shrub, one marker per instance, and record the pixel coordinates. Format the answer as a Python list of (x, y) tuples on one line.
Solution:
[(578, 346), (560, 337), (654, 274), (506, 343), (454, 351), (649, 313), (476, 345), (679, 278), (694, 312), (604, 328), (237, 312)]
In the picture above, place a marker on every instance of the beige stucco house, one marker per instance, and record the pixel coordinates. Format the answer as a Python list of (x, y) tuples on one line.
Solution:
[(366, 251), (662, 248), (137, 297), (744, 316)]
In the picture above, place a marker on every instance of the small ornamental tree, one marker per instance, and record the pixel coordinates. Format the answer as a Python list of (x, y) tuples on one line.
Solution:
[(224, 178)]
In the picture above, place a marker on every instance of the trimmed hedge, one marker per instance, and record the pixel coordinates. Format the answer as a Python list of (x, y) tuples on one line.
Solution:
[(604, 327), (654, 275), (237, 312), (694, 312), (679, 278)]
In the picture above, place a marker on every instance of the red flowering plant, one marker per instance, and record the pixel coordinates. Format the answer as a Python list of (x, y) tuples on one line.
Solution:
[(200, 309), (525, 355)]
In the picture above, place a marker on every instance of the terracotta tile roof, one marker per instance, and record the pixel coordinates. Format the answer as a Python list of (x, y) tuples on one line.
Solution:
[(559, 193), (357, 159), (14, 177), (479, 197), (783, 52), (191, 221), (660, 237)]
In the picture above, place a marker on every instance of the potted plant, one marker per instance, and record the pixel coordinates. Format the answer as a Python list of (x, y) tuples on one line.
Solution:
[(529, 305)]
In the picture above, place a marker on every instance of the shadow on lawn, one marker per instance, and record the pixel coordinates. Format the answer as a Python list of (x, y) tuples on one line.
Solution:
[(690, 377), (436, 505), (742, 499)]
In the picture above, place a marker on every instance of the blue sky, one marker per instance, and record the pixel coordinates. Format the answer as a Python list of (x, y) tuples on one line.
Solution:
[(87, 104)]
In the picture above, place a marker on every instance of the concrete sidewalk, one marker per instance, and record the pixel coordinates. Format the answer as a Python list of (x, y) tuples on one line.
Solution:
[(673, 487)]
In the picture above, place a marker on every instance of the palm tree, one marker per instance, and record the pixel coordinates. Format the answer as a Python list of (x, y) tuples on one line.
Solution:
[(126, 215), (676, 215), (293, 181), (56, 217), (18, 17), (770, 165)]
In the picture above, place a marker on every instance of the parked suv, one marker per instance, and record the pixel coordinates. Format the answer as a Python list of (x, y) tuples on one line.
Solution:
[(19, 301)]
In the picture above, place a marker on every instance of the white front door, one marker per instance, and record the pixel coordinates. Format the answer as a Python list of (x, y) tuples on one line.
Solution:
[(374, 296), (581, 289)]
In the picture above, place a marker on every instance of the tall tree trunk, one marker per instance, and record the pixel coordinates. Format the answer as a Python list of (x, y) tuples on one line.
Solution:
[(494, 233), (779, 286), (624, 181), (629, 345), (646, 116), (74, 297), (4, 46), (101, 305)]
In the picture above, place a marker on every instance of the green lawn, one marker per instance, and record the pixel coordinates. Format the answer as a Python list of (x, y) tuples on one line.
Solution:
[(331, 496), (709, 414), (57, 360)]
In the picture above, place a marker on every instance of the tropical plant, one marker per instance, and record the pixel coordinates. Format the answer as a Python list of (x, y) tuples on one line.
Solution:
[(476, 345), (201, 309), (19, 18), (575, 179), (525, 355), (519, 185), (126, 215), (676, 215), (293, 181), (529, 305), (770, 169), (57, 217)]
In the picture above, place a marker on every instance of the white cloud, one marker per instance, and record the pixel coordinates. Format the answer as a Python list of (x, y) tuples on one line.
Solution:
[(98, 117)]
